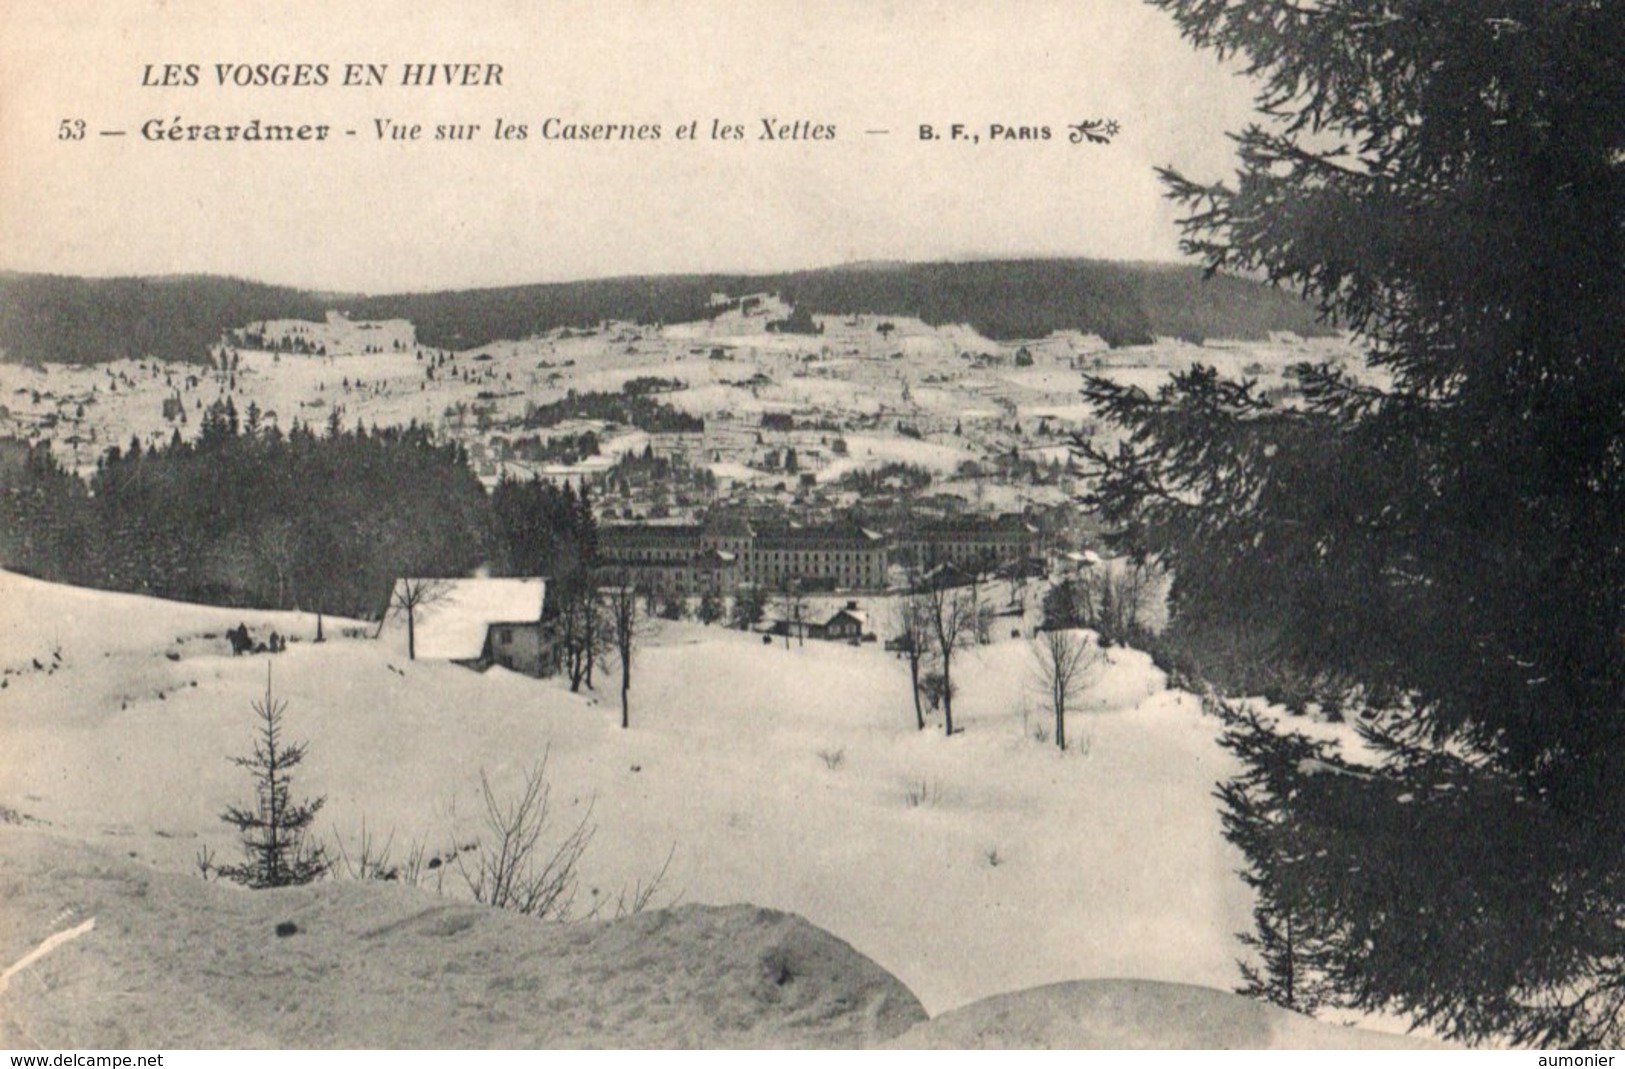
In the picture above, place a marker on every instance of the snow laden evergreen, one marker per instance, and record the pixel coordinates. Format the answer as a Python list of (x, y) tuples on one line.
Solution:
[(1436, 542)]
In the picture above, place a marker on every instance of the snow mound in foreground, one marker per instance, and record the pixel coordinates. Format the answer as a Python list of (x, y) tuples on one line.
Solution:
[(173, 961), (1135, 1015)]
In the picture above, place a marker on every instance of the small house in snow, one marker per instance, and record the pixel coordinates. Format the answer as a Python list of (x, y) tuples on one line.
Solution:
[(475, 622), (849, 624)]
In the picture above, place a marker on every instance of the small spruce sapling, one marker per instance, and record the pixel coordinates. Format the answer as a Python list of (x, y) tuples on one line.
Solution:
[(274, 830)]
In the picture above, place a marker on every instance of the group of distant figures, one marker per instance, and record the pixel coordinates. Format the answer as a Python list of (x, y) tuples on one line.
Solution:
[(242, 642)]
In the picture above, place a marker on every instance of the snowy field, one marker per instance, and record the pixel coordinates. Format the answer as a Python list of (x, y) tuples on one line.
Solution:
[(789, 779)]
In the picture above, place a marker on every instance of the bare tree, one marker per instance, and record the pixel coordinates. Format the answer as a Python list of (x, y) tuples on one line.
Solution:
[(640, 896), (1112, 598), (981, 618), (626, 627), (1018, 586), (1065, 666), (409, 596), (951, 622), (595, 633), (793, 610), (1124, 600), (277, 547), (584, 634), (512, 869), (912, 620)]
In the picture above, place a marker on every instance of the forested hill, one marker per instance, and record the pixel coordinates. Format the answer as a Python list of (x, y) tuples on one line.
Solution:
[(86, 321), (1126, 304), (77, 320)]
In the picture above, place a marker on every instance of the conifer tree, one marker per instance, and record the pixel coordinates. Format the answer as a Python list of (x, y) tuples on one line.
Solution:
[(749, 606), (274, 831), (1438, 538)]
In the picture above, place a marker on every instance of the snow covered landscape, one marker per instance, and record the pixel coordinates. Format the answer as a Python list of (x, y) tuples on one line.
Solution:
[(776, 525), (791, 779), (968, 867), (755, 771)]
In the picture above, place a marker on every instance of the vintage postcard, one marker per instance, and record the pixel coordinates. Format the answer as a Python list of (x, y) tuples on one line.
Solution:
[(579, 524)]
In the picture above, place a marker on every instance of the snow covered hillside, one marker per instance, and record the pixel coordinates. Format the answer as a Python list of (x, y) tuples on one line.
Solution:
[(166, 960), (790, 779), (979, 871)]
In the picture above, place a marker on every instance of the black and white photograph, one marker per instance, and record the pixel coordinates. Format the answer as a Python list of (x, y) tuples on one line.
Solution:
[(927, 524)]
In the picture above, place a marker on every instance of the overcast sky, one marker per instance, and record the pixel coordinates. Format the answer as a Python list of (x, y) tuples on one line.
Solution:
[(353, 213)]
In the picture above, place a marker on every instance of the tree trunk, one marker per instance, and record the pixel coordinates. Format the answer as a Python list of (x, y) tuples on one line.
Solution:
[(914, 674), (947, 700), (411, 636)]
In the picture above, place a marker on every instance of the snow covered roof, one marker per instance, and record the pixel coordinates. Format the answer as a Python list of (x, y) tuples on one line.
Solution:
[(451, 620), (858, 615)]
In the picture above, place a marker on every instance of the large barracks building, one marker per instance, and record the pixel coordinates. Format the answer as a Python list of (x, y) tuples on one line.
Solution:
[(720, 555)]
